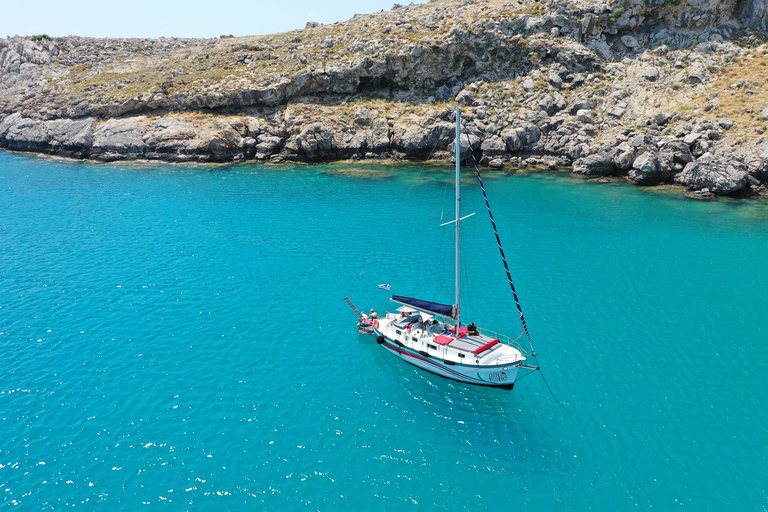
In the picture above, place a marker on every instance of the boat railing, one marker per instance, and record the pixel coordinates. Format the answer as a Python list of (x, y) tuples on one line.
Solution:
[(505, 340)]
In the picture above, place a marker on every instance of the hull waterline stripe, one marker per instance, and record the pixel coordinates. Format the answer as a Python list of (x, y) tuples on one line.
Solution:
[(463, 378), (458, 376)]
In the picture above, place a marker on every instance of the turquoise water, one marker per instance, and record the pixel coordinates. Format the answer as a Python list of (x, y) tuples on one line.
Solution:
[(176, 337)]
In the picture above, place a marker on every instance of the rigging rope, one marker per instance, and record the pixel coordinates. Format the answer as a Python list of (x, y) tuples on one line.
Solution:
[(498, 241), (504, 259)]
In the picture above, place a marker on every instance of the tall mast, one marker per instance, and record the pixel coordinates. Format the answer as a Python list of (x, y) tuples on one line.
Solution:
[(458, 215)]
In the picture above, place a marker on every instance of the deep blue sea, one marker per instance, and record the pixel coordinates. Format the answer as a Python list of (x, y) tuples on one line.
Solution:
[(175, 337)]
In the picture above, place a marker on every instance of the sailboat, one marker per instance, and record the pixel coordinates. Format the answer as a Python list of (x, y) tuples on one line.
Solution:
[(430, 335)]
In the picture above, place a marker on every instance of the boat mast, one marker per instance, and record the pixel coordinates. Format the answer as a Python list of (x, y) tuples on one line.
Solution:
[(458, 215)]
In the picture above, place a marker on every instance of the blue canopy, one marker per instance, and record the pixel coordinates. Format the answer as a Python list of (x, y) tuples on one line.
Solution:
[(426, 306)]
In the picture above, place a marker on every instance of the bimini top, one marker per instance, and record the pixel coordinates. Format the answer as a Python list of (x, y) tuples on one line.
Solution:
[(425, 306)]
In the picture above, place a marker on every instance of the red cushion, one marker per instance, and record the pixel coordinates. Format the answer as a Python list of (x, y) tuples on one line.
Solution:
[(442, 340), (486, 346)]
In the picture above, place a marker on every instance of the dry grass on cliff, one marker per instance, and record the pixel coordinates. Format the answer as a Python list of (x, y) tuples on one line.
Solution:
[(238, 63), (739, 93)]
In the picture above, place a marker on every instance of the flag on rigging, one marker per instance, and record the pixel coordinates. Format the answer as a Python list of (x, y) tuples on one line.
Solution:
[(385, 287)]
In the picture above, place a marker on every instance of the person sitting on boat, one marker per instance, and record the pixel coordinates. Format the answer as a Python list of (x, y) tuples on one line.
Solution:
[(472, 330), (373, 315)]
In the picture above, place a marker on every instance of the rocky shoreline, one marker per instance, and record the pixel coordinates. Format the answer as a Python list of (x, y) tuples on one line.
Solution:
[(669, 93)]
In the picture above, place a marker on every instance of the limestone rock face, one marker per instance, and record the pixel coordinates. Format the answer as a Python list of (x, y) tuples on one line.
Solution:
[(119, 139), (314, 138), (763, 152), (20, 51), (413, 136), (377, 136), (63, 137)]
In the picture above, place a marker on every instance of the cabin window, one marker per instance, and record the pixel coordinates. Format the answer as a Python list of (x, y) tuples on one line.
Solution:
[(432, 346), (399, 332), (461, 355), (413, 338)]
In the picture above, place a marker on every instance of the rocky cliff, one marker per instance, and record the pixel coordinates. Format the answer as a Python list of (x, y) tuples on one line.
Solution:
[(655, 91)]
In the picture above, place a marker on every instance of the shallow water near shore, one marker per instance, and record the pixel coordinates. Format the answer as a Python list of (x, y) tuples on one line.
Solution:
[(176, 335)]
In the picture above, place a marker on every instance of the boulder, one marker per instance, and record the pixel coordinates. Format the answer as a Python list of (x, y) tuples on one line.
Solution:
[(493, 147), (464, 142), (648, 169), (529, 85), (378, 135), (511, 139), (629, 41), (465, 98), (650, 73), (529, 134), (582, 104), (547, 104), (560, 103), (624, 156), (555, 80), (443, 93), (617, 110), (597, 165), (718, 176), (496, 163), (691, 138), (585, 116), (725, 124), (660, 118), (681, 153), (267, 145)]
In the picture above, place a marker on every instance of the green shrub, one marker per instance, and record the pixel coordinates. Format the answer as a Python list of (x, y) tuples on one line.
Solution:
[(615, 15), (42, 37)]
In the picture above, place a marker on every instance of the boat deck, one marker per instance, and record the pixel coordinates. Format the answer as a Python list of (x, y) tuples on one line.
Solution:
[(464, 343)]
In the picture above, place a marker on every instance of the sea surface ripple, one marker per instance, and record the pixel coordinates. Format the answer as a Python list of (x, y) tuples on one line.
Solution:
[(176, 336)]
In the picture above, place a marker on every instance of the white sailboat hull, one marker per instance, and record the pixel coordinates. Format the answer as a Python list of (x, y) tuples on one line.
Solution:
[(500, 371)]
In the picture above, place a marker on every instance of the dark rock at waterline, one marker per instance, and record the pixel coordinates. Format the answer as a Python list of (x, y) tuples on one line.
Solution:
[(720, 177), (651, 168), (63, 137), (597, 165)]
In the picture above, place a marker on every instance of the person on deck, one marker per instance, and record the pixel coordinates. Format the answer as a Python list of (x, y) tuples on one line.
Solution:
[(373, 315), (472, 330)]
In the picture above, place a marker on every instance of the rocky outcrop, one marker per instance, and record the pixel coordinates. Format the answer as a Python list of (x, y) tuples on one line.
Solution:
[(63, 137), (633, 90), (715, 175)]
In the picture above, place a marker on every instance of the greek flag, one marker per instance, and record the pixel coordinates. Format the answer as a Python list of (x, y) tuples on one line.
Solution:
[(385, 287)]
